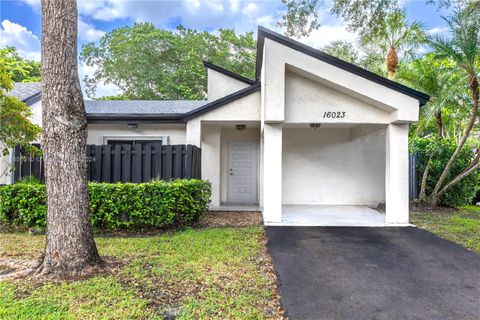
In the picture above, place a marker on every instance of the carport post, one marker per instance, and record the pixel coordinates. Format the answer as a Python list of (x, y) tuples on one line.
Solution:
[(272, 170), (396, 174)]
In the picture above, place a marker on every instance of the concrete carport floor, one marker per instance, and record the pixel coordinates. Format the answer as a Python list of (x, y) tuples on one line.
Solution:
[(374, 273)]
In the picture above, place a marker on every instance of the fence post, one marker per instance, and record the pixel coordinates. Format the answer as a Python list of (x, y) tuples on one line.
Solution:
[(137, 163), (158, 163), (168, 161), (117, 163), (106, 163), (147, 163), (188, 161), (178, 161)]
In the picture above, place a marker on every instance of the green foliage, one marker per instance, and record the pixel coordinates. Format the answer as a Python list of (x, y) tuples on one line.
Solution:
[(19, 69), (301, 17), (115, 206), (149, 63), (343, 50), (459, 194), (397, 32), (361, 16), (23, 203), (463, 47), (15, 126), (364, 16), (445, 83)]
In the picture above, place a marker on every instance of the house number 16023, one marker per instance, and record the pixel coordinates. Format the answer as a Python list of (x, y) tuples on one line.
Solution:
[(334, 114)]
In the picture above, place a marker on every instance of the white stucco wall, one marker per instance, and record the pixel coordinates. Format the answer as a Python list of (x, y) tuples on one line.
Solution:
[(211, 160), (220, 85), (307, 101), (243, 109), (36, 112), (97, 132), (334, 166)]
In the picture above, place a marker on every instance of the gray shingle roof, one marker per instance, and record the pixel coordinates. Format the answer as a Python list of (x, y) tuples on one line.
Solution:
[(153, 107), (25, 91)]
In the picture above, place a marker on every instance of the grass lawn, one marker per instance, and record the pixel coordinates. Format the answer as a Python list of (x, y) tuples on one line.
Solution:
[(209, 273), (461, 226)]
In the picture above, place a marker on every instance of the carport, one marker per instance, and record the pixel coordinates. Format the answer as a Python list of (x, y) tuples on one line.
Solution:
[(333, 174), (334, 141)]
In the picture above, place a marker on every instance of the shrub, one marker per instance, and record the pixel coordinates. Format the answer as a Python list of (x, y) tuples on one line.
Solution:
[(115, 205), (464, 191)]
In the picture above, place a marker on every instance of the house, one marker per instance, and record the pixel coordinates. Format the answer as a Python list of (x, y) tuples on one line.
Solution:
[(311, 135)]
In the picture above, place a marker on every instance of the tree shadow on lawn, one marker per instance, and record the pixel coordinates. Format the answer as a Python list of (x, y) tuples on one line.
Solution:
[(200, 272)]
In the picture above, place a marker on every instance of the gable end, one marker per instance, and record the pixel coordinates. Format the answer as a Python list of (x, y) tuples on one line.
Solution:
[(295, 45)]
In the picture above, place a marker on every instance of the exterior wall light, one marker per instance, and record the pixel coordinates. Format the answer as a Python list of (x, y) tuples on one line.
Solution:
[(132, 126), (315, 125), (241, 127)]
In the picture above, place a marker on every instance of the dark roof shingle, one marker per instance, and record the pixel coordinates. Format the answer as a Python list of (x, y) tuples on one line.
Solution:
[(26, 91), (158, 107)]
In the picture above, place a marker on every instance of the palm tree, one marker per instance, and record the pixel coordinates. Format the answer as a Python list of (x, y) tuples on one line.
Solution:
[(463, 48), (398, 37), (434, 77)]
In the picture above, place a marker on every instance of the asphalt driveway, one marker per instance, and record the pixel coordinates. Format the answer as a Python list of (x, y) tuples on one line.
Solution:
[(374, 273)]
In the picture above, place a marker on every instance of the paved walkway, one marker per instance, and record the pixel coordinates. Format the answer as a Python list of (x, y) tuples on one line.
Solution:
[(328, 216), (374, 273)]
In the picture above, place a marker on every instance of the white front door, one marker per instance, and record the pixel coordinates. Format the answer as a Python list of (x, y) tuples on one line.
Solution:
[(242, 172)]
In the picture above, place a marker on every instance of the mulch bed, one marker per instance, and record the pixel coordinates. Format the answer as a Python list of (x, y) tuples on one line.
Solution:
[(223, 219)]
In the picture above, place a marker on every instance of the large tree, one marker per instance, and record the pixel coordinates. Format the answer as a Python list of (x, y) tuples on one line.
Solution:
[(361, 16), (70, 246), (149, 63)]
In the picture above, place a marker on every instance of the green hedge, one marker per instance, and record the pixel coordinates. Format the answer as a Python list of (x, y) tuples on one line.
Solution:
[(464, 191), (115, 205)]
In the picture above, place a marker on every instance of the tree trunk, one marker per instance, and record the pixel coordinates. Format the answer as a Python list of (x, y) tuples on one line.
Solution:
[(423, 187), (392, 63), (439, 122), (70, 248), (463, 139), (468, 170)]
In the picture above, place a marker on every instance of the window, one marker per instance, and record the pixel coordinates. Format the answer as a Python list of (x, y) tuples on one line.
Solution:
[(132, 142), (113, 140)]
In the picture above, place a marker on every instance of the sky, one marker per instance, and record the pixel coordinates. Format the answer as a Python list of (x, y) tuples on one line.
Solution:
[(20, 21)]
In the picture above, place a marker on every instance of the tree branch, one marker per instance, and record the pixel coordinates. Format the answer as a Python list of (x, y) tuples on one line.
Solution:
[(470, 169)]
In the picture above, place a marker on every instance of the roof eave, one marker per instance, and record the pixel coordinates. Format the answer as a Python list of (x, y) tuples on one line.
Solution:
[(125, 118), (32, 99), (228, 73)]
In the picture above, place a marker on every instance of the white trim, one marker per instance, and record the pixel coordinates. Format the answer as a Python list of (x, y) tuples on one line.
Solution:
[(164, 139)]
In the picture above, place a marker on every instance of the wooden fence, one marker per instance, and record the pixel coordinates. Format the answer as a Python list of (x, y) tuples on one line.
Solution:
[(125, 163), (413, 182)]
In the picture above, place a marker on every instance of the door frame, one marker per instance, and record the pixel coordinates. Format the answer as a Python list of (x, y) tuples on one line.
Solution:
[(256, 165)]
